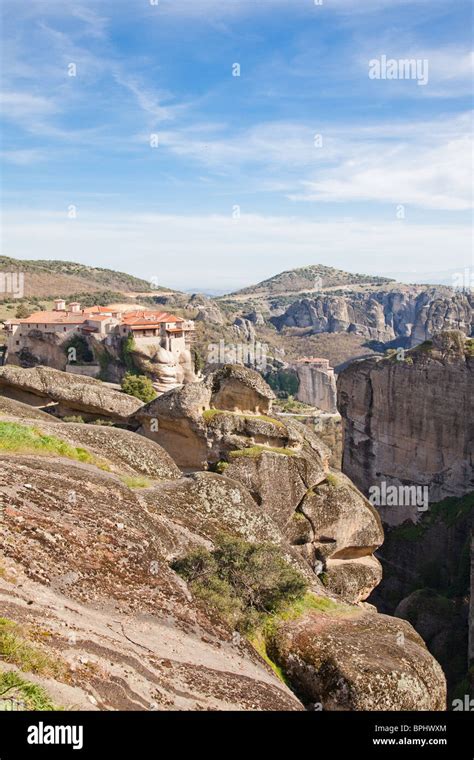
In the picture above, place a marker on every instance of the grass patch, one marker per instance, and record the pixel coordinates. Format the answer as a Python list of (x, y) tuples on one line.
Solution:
[(135, 481), (15, 649), (255, 451), (332, 480), (210, 414), (14, 690), (23, 439), (261, 637)]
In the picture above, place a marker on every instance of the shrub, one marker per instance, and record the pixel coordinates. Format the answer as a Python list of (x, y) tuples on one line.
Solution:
[(243, 582), (127, 348), (23, 311), (139, 386)]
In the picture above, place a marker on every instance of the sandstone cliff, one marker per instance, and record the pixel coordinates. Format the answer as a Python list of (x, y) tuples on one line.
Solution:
[(412, 313), (409, 423)]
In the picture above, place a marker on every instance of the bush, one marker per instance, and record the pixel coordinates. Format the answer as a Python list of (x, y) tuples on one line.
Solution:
[(23, 311), (243, 582), (139, 386)]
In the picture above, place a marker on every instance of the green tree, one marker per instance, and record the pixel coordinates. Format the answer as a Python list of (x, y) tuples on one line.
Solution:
[(139, 386), (23, 311)]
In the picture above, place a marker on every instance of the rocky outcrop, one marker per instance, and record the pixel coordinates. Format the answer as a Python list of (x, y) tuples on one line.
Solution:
[(17, 409), (244, 328), (317, 387), (344, 532), (200, 422), (406, 423), (283, 465), (346, 660), (42, 386), (238, 389), (165, 369), (91, 555), (413, 313), (118, 623)]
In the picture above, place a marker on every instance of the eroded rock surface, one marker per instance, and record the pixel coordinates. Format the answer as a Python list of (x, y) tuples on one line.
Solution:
[(42, 385), (408, 422), (358, 661)]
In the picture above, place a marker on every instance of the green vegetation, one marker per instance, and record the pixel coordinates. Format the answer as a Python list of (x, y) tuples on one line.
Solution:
[(16, 649), (449, 511), (127, 348), (242, 582), (99, 276), (14, 689), (23, 439), (23, 311), (80, 353), (292, 406), (139, 386), (469, 347), (210, 414), (75, 418), (255, 451), (135, 481), (284, 383), (198, 361)]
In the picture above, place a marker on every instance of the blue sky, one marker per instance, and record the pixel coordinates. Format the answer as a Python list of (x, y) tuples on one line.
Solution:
[(301, 159)]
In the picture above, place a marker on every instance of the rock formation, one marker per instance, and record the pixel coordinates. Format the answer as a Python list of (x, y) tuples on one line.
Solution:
[(90, 530), (43, 386), (413, 313), (408, 422), (317, 384)]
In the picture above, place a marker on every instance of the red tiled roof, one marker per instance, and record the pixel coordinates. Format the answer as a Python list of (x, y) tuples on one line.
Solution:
[(52, 318), (149, 317)]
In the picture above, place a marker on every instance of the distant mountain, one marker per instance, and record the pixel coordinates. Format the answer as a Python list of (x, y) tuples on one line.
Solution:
[(313, 278), (51, 279)]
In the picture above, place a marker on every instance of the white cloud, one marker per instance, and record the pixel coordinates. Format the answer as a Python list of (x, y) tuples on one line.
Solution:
[(197, 251), (425, 164)]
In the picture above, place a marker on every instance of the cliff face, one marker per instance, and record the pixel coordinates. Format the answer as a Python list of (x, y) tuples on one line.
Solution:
[(383, 316), (408, 422), (317, 387)]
